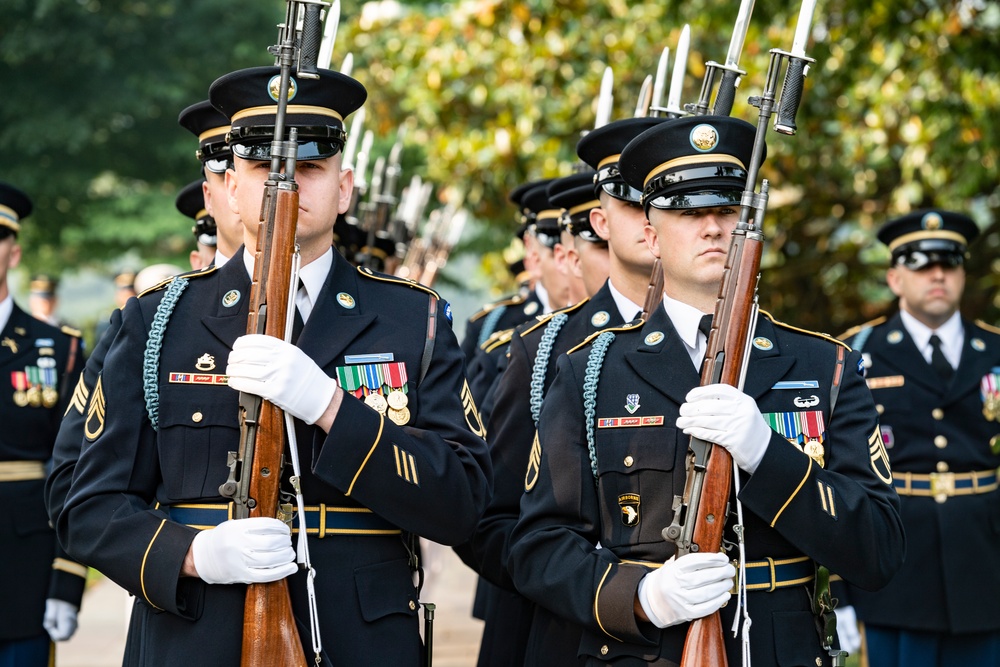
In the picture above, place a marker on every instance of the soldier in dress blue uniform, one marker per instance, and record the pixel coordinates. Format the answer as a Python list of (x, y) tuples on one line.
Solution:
[(609, 455), (387, 432), (935, 376), (191, 202), (42, 587)]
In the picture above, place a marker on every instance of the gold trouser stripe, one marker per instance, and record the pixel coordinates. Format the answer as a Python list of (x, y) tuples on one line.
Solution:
[(20, 471), (65, 565)]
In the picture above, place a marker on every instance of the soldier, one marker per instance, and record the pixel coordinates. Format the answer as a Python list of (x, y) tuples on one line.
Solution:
[(609, 455), (935, 377), (417, 466), (42, 299), (191, 202), (210, 126), (43, 588)]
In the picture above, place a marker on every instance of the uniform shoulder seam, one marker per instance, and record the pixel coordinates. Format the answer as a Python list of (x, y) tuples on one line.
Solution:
[(489, 307), (70, 331), (987, 327), (543, 319), (208, 270), (815, 334), (406, 282), (631, 326), (498, 339), (853, 331)]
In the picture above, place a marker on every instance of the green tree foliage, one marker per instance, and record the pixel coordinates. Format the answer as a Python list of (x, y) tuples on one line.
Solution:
[(899, 112)]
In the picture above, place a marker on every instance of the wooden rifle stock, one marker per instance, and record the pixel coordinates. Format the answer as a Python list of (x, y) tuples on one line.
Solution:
[(654, 291), (270, 636), (732, 330)]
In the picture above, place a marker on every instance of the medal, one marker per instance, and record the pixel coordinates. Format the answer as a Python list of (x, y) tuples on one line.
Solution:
[(399, 417), (49, 397), (397, 400), (815, 451), (989, 389), (20, 382), (376, 402), (34, 396)]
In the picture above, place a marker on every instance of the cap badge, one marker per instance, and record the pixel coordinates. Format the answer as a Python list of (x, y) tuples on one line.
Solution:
[(206, 362), (600, 319), (931, 221), (632, 403), (977, 344), (654, 338), (346, 300), (704, 138), (274, 88), (231, 298), (762, 343), (895, 336)]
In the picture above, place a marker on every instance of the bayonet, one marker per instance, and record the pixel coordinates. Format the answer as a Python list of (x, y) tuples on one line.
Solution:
[(674, 109), (659, 82), (795, 74), (348, 65), (329, 35), (605, 102), (351, 147), (645, 98), (731, 71)]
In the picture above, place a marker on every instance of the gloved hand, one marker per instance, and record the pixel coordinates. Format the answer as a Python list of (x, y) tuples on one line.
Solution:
[(281, 373), (724, 415), (847, 629), (60, 619), (244, 551), (686, 588)]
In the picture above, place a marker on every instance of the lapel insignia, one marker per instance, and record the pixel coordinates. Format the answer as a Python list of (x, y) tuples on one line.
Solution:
[(632, 403), (629, 422), (531, 308), (20, 331), (886, 381), (762, 343), (206, 362), (653, 338), (346, 300), (198, 378), (977, 344), (802, 402), (94, 425), (989, 390), (231, 298), (895, 336), (600, 319), (629, 502), (879, 457), (9, 342), (534, 465)]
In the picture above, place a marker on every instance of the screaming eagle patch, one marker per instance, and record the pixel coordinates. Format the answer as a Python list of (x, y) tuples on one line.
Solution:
[(629, 502)]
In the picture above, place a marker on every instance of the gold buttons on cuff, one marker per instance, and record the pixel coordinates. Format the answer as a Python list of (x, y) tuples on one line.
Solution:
[(197, 417), (629, 461), (940, 441), (937, 413), (605, 649), (413, 605), (942, 466)]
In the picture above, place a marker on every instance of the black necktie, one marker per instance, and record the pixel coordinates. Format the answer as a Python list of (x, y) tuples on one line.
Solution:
[(938, 362), (297, 323), (705, 325)]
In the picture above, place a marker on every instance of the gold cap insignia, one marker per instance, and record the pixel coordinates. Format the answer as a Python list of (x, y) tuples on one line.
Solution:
[(931, 221), (704, 137), (274, 88)]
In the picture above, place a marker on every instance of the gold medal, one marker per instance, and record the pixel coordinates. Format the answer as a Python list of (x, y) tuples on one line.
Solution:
[(397, 400), (34, 397), (376, 402), (49, 397), (20, 398), (814, 450), (399, 417), (990, 407)]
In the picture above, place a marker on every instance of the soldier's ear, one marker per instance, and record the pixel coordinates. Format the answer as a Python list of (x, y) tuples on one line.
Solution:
[(652, 240), (15, 255), (231, 183), (346, 188), (893, 280), (599, 222)]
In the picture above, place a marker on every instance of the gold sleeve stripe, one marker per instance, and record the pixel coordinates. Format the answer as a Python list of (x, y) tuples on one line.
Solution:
[(378, 436), (79, 400), (597, 596), (64, 565), (794, 493), (142, 569)]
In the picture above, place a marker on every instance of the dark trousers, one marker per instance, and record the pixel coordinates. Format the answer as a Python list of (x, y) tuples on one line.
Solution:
[(34, 652), (891, 647)]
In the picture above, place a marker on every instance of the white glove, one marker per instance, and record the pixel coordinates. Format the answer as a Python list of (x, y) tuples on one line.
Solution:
[(724, 415), (281, 373), (244, 551), (60, 619), (847, 629), (686, 588)]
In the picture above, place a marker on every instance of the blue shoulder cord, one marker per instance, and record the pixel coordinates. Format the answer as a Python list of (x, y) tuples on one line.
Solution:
[(151, 357), (490, 324), (861, 338), (590, 379), (541, 365)]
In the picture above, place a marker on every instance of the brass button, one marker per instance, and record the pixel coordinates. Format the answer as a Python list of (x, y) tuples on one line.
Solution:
[(629, 461), (940, 441), (413, 605), (819, 662), (604, 650), (937, 413), (197, 417), (880, 408), (942, 466)]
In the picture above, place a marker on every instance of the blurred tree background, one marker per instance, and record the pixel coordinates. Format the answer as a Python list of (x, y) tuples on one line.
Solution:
[(899, 112)]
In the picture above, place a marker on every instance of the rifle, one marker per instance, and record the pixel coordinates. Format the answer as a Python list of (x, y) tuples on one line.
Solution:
[(731, 72), (700, 513), (270, 635)]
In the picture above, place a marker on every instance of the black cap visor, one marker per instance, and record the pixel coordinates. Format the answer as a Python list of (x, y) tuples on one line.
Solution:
[(307, 150), (928, 253)]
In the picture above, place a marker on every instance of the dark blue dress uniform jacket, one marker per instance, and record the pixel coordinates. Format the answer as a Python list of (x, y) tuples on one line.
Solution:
[(34, 568), (513, 310), (843, 515), (367, 602), (950, 580), (516, 631)]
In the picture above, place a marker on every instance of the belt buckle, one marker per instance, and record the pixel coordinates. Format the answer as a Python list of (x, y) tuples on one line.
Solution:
[(286, 514), (942, 485)]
